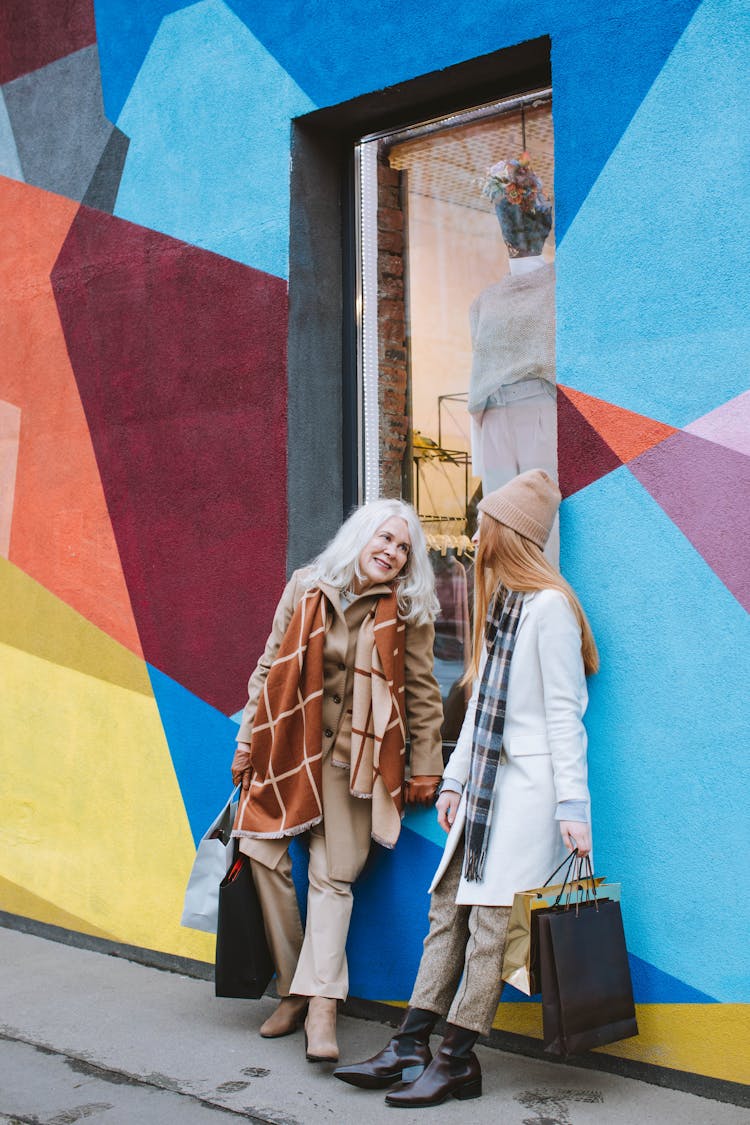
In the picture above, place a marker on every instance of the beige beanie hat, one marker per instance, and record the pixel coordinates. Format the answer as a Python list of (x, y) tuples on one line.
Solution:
[(528, 504)]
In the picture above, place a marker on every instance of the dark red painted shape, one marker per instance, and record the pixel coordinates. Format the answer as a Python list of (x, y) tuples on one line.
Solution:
[(180, 360), (582, 455), (34, 33)]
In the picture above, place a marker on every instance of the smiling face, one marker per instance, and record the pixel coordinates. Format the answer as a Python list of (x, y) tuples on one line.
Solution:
[(386, 554)]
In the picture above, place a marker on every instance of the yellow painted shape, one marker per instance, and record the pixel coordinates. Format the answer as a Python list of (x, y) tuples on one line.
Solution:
[(708, 1039), (18, 900), (92, 821), (39, 622)]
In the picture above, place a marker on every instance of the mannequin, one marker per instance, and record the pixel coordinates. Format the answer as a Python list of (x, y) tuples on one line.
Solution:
[(512, 391)]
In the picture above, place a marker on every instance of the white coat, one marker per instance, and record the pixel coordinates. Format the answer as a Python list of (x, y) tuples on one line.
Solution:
[(543, 760)]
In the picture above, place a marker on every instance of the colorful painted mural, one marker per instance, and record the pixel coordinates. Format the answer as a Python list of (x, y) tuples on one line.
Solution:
[(144, 207)]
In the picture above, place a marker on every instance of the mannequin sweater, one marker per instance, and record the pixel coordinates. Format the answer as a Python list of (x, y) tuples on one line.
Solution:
[(512, 333)]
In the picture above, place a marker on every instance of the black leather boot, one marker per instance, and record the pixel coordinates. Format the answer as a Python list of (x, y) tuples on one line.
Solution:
[(453, 1073), (409, 1048)]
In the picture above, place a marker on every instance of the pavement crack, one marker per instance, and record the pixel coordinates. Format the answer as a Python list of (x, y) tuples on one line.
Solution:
[(122, 1077)]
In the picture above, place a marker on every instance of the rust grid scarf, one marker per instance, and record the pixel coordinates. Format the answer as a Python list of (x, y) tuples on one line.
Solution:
[(285, 794), (379, 720)]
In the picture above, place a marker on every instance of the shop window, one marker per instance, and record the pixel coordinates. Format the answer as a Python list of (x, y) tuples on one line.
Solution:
[(456, 325)]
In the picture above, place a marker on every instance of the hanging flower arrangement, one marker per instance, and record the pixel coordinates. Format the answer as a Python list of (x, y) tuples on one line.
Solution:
[(515, 181)]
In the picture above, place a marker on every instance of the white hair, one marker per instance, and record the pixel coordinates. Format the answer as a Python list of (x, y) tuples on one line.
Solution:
[(338, 563)]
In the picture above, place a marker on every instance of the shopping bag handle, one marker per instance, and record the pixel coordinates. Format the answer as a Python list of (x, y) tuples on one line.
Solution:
[(585, 883), (569, 860), (223, 830), (574, 865)]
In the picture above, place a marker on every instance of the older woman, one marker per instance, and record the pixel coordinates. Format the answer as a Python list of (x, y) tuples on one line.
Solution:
[(346, 672), (514, 797)]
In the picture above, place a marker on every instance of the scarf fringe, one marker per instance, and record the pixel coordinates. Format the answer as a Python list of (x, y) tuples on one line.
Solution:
[(295, 831), (474, 864)]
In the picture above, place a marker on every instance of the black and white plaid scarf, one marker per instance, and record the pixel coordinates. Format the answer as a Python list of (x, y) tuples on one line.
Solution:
[(500, 637)]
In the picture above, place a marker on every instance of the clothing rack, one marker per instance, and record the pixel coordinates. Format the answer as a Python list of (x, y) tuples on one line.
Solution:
[(460, 396), (442, 542), (428, 452)]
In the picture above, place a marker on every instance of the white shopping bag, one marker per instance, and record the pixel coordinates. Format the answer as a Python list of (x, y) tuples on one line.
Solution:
[(211, 864)]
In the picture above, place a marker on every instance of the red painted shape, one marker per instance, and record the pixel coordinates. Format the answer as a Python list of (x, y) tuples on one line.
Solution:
[(180, 359), (582, 455), (34, 33), (627, 433)]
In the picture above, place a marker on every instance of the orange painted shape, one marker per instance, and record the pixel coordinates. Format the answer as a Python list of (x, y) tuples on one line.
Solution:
[(10, 435), (61, 533), (628, 434)]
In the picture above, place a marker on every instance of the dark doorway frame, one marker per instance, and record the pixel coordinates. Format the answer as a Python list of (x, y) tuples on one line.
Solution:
[(323, 430)]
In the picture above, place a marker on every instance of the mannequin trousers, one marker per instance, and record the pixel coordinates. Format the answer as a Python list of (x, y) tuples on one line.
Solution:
[(459, 976), (510, 439)]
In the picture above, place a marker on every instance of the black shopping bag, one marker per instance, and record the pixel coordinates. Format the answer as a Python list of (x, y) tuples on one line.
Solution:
[(587, 993), (243, 960)]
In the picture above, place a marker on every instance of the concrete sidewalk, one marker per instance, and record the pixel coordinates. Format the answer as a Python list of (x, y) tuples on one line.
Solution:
[(88, 1036)]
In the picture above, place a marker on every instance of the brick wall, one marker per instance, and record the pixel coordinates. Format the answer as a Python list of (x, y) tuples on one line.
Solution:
[(392, 334)]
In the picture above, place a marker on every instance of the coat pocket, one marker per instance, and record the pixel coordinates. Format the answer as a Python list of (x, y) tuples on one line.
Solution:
[(526, 745)]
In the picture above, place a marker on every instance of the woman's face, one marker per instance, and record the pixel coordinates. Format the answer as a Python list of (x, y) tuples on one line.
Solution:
[(386, 554)]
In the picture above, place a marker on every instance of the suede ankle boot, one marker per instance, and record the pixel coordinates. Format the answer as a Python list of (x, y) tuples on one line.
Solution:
[(408, 1050), (285, 1018), (320, 1030), (453, 1073)]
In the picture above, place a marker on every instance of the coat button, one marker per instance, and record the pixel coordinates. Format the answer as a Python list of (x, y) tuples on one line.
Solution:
[(328, 732), (337, 699), (342, 667)]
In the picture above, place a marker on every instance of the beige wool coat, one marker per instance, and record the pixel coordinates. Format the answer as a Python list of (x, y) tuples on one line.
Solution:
[(347, 819)]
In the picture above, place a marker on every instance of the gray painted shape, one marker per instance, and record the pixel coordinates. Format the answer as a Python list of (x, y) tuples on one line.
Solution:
[(58, 121), (105, 183), (10, 165)]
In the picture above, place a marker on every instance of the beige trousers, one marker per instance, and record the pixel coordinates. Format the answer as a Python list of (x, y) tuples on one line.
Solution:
[(281, 920), (312, 963), (459, 975)]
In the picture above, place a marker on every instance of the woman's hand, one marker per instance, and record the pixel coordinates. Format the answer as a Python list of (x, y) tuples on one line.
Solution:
[(576, 834), (447, 807), (420, 790), (242, 769)]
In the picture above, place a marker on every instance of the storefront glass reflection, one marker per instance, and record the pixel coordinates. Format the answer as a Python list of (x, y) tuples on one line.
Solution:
[(458, 331)]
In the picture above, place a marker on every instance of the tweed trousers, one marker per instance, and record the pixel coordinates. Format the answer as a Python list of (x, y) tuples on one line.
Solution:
[(459, 975)]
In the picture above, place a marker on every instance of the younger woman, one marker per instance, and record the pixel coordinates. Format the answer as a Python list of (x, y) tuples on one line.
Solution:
[(514, 793)]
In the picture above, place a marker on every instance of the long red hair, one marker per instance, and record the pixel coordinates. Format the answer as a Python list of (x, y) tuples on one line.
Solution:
[(506, 557)]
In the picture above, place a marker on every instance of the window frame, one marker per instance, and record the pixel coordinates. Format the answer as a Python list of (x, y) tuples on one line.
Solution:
[(325, 473)]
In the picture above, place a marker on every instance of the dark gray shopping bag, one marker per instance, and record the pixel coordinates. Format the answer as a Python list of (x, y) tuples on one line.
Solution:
[(587, 993), (243, 960)]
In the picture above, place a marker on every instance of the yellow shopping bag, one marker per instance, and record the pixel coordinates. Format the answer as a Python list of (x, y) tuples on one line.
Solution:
[(521, 958)]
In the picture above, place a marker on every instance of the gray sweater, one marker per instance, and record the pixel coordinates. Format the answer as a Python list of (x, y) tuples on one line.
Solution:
[(512, 333)]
